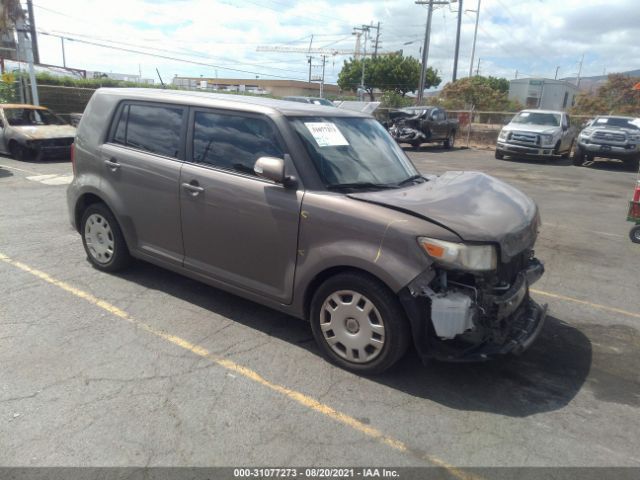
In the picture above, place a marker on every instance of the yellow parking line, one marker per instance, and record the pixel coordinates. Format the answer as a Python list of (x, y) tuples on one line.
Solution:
[(298, 397), (584, 302)]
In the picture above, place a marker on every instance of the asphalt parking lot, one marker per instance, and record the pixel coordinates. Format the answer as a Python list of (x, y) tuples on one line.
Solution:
[(150, 368)]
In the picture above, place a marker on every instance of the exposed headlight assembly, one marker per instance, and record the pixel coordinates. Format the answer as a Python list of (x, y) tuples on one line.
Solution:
[(503, 134), (477, 258)]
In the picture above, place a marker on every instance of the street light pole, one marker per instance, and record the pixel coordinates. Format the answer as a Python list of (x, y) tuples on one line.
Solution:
[(455, 58)]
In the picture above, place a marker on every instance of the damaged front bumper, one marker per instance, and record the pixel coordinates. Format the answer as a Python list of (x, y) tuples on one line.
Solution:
[(496, 323)]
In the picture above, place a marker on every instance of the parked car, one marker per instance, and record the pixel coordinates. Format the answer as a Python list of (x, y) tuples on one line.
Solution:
[(314, 211), (610, 137), (542, 134), (418, 125), (28, 132), (312, 100)]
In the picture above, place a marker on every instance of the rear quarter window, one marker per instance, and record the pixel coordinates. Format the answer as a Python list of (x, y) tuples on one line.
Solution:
[(150, 128)]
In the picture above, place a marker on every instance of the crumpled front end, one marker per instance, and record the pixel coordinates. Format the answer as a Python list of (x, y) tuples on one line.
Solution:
[(461, 316)]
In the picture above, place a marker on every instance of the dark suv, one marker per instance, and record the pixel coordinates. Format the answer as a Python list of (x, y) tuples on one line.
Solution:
[(311, 210)]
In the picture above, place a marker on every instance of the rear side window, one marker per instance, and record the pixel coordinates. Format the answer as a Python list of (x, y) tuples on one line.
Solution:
[(151, 128), (233, 142)]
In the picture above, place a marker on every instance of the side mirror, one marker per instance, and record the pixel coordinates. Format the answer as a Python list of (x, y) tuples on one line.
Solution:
[(271, 168)]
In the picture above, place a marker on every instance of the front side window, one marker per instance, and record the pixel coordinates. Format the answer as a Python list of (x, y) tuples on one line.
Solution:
[(353, 152), (31, 117), (151, 128), (233, 142)]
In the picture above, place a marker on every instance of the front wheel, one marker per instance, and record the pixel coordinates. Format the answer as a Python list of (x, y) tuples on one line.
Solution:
[(20, 152), (103, 240), (450, 141), (359, 323), (499, 155), (578, 156), (634, 234)]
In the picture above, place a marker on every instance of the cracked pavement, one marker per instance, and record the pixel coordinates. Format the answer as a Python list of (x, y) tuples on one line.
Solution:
[(81, 387)]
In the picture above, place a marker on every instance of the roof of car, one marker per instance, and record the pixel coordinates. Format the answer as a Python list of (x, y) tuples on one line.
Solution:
[(237, 102), (616, 116), (21, 105)]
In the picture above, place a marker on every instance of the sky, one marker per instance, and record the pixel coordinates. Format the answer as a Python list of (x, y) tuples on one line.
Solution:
[(220, 37)]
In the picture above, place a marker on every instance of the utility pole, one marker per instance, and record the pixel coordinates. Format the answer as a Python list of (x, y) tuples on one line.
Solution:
[(64, 59), (478, 69), (364, 29), (557, 68), (580, 71), (32, 29), (516, 74), (475, 36), (375, 48), (324, 60), (425, 47), (309, 62), (455, 58)]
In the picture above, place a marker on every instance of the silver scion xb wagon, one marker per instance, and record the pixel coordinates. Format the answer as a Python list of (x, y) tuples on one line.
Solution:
[(313, 211)]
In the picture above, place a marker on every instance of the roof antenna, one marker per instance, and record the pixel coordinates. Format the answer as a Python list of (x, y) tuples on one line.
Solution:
[(163, 85)]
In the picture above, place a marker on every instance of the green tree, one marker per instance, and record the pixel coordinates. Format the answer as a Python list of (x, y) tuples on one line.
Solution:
[(615, 97), (389, 73), (482, 93)]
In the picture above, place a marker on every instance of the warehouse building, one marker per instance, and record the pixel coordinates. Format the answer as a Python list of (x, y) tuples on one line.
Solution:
[(277, 88)]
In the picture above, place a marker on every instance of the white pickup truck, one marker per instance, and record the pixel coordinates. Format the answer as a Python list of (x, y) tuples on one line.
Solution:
[(543, 134)]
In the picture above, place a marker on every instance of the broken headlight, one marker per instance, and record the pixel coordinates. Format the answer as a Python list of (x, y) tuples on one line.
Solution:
[(477, 258)]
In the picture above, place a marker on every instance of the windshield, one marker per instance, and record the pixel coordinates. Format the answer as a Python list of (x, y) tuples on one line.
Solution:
[(616, 122), (354, 151), (537, 118), (31, 117), (322, 101)]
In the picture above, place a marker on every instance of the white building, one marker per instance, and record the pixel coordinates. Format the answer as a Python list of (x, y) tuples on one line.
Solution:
[(543, 93)]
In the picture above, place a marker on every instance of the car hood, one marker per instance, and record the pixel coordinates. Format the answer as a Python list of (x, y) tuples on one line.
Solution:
[(473, 205), (523, 127), (47, 131)]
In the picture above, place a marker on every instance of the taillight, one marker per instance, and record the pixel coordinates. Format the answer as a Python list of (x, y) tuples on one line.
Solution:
[(73, 158)]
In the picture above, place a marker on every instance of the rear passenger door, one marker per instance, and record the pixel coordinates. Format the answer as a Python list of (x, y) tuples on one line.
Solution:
[(141, 163), (238, 228)]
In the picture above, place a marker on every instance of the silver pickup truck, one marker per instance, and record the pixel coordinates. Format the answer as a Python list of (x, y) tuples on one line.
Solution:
[(610, 137), (543, 134)]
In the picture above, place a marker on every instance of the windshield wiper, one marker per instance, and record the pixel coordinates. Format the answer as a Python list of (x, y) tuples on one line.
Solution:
[(412, 178), (360, 185)]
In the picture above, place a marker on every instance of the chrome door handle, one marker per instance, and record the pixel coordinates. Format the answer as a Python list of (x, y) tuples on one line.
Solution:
[(193, 189), (112, 164)]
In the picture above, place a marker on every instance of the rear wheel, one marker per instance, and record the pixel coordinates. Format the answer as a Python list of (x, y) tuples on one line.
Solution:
[(634, 234), (451, 140), (499, 154), (359, 323), (103, 240)]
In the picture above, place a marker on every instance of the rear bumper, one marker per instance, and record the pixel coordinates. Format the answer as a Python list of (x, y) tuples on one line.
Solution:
[(521, 150)]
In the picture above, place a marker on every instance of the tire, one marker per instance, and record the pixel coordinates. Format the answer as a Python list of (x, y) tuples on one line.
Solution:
[(568, 153), (416, 144), (19, 152), (103, 240), (634, 234), (450, 141), (578, 156), (634, 164), (499, 155), (376, 340)]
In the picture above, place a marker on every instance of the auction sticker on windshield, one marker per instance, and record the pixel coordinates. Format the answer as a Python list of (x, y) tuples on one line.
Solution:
[(326, 134)]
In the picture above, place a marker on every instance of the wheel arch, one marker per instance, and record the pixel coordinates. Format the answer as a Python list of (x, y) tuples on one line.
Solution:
[(327, 273), (89, 198)]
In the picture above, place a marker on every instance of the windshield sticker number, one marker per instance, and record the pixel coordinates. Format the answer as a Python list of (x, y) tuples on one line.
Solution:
[(326, 134), (602, 120), (524, 114)]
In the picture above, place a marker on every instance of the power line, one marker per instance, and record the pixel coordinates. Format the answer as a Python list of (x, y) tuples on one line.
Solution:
[(167, 57)]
